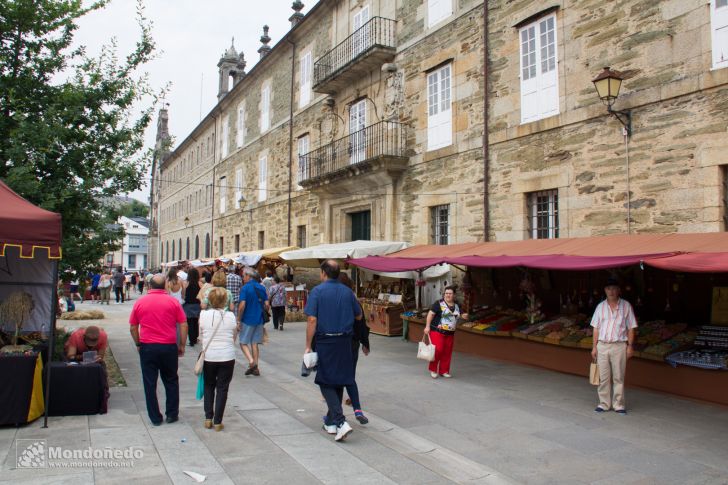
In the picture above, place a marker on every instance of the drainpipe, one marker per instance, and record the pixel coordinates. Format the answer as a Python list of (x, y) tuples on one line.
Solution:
[(212, 205), (486, 151), (290, 136)]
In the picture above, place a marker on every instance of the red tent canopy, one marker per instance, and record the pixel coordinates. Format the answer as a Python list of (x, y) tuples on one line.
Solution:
[(27, 226)]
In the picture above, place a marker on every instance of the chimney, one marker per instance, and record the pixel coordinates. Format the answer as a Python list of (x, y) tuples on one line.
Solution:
[(297, 17), (264, 39)]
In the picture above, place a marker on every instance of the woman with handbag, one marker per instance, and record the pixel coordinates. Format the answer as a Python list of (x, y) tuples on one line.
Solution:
[(192, 305), (218, 332), (277, 298), (440, 327)]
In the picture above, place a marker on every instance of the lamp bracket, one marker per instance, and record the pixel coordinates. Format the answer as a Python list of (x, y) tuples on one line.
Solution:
[(624, 117)]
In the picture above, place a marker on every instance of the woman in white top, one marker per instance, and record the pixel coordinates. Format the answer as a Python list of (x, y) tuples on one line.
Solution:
[(219, 354), (175, 286)]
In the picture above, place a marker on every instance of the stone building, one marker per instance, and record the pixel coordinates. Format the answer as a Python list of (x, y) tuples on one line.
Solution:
[(367, 121)]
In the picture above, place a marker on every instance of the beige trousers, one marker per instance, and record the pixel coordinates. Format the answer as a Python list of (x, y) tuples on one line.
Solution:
[(612, 360)]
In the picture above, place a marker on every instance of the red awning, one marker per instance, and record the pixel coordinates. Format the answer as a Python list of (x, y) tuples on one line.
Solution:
[(707, 252), (28, 227)]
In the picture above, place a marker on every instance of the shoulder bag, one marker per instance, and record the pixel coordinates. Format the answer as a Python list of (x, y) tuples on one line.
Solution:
[(266, 315), (426, 351), (201, 359)]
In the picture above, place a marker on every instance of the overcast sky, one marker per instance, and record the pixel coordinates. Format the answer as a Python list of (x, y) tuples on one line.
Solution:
[(191, 36)]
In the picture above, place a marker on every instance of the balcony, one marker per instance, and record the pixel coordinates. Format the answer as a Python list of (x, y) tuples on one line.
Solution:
[(367, 48), (378, 149)]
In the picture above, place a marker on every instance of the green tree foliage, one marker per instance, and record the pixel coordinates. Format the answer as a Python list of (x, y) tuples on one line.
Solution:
[(134, 209), (71, 134)]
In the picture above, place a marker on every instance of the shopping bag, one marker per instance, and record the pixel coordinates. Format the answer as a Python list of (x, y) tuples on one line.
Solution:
[(594, 374), (200, 387), (310, 359), (426, 351)]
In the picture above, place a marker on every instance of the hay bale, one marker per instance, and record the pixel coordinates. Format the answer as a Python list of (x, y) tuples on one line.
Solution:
[(83, 315)]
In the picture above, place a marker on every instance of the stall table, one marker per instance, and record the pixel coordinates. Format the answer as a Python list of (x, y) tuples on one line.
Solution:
[(21, 394), (77, 389), (692, 382), (382, 319)]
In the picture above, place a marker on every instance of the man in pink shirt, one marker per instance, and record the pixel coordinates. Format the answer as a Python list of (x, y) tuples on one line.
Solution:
[(154, 321), (614, 328)]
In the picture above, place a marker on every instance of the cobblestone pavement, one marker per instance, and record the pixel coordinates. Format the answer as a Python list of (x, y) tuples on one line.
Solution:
[(492, 423)]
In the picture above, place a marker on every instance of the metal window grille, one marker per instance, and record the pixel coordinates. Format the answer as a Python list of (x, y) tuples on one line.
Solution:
[(261, 239), (543, 208), (237, 243), (440, 217), (301, 236)]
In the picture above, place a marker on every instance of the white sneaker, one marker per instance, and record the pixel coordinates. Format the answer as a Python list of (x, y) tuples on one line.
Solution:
[(433, 375), (446, 375), (330, 428), (343, 431)]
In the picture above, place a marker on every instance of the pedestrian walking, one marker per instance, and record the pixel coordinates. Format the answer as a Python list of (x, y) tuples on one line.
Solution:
[(233, 283), (133, 278), (218, 331), (74, 290), (155, 321), (331, 310), (192, 305), (360, 339), (219, 280), (95, 294), (118, 279), (140, 282), (105, 284), (127, 285), (174, 286), (442, 320), (252, 309), (614, 333), (277, 298), (268, 280)]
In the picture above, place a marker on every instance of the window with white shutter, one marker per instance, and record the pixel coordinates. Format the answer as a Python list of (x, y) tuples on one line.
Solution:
[(303, 149), (539, 76), (719, 32), (265, 108), (437, 11), (305, 83), (224, 139), (439, 108), (263, 178), (361, 36), (238, 187), (240, 135), (223, 194)]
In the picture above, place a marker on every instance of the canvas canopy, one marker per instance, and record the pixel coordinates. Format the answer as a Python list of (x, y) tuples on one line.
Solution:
[(311, 257), (252, 258)]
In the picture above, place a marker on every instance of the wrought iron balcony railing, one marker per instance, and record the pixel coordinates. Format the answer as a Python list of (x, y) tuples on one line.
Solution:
[(377, 32), (380, 140)]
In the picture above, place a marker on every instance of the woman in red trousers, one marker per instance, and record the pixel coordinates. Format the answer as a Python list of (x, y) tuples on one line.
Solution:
[(441, 322)]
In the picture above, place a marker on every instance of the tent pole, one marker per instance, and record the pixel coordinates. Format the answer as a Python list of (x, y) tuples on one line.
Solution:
[(51, 340)]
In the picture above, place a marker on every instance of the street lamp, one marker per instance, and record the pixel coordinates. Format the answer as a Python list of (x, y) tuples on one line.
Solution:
[(607, 84)]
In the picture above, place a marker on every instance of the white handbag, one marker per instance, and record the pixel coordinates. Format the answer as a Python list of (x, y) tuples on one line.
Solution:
[(426, 351)]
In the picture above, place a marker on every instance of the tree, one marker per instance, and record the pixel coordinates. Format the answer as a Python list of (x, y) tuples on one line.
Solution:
[(70, 133), (134, 209)]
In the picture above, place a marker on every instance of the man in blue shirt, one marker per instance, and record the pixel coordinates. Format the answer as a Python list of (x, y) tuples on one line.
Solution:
[(95, 278), (253, 303), (331, 309)]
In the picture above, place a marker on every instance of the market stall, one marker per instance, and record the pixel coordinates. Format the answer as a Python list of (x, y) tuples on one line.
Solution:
[(532, 301), (30, 247)]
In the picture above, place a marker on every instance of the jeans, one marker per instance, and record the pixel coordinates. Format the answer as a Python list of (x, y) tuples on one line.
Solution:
[(119, 292), (333, 396), (160, 360), (279, 316), (352, 389), (217, 381)]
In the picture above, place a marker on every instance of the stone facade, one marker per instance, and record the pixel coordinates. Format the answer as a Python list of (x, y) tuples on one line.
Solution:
[(675, 154)]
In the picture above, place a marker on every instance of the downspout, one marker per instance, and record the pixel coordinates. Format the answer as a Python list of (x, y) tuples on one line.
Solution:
[(212, 204), (290, 136), (486, 151)]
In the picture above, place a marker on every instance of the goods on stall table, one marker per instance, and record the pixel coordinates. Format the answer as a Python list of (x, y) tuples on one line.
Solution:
[(713, 337), (705, 359)]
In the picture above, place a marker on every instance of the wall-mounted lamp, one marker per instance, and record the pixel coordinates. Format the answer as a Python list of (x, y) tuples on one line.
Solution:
[(187, 222), (607, 84)]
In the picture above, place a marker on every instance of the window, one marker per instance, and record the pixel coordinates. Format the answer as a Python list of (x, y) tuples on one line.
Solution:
[(221, 247), (303, 148), (301, 236), (207, 245), (110, 259), (543, 214), (361, 38), (240, 135), (238, 187), (223, 194), (263, 179), (357, 132), (719, 29), (132, 261), (265, 108), (261, 239), (187, 249), (539, 77), (179, 245), (174, 256), (437, 11), (439, 224), (224, 139), (237, 243), (197, 247), (305, 90), (725, 196), (439, 112), (167, 258)]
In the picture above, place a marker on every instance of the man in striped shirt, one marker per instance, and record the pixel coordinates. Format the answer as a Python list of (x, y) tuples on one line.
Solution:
[(614, 333)]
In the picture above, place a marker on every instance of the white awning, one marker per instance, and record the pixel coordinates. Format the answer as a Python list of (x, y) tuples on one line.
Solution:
[(311, 257)]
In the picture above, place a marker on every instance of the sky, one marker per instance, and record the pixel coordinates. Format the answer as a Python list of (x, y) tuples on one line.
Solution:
[(191, 36)]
